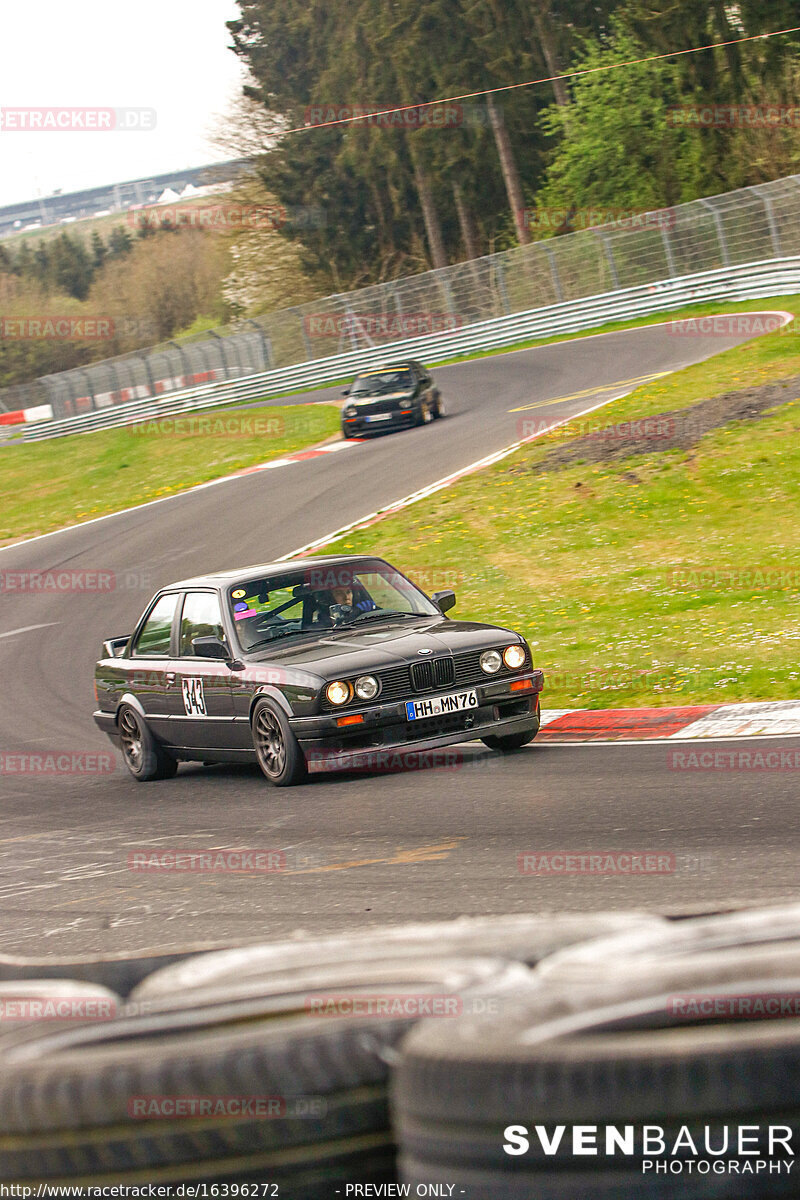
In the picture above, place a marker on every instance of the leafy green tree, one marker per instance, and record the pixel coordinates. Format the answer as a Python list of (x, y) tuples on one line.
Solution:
[(120, 242), (615, 145), (71, 267), (99, 251)]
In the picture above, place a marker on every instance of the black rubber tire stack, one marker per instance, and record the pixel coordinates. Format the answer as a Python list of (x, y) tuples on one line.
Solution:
[(616, 1032)]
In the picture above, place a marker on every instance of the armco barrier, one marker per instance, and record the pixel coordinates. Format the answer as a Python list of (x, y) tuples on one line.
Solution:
[(750, 281), (42, 412)]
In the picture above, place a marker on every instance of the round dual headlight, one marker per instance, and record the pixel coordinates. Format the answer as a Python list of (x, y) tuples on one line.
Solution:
[(338, 692), (491, 662), (367, 687), (514, 657)]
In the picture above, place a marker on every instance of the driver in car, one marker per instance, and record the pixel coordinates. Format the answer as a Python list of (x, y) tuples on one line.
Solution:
[(361, 602), (342, 603)]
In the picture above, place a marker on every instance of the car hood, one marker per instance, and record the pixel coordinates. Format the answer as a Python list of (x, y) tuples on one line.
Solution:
[(384, 645)]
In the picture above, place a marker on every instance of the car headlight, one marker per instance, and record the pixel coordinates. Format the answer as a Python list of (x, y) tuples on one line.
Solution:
[(491, 662), (367, 687), (338, 692), (350, 411), (514, 657)]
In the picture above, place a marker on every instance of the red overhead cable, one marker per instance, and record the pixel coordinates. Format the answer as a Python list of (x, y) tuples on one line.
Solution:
[(508, 87)]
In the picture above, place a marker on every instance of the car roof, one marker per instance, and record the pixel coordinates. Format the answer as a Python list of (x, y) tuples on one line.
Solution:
[(395, 366), (223, 578)]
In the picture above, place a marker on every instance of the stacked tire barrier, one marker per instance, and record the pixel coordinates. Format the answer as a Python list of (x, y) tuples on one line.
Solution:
[(687, 1035), (447, 1054)]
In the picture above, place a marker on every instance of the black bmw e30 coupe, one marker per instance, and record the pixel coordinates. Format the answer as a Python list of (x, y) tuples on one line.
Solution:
[(392, 397), (309, 665)]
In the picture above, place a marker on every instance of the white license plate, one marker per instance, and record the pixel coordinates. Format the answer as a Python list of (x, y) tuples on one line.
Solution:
[(436, 706), (379, 417)]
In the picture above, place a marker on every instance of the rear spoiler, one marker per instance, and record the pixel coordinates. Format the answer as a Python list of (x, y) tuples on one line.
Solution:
[(113, 647)]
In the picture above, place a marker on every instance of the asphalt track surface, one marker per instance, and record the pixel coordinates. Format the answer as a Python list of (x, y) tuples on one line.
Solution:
[(359, 848)]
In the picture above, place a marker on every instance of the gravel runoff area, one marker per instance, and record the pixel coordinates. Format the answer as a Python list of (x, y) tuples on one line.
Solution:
[(679, 429)]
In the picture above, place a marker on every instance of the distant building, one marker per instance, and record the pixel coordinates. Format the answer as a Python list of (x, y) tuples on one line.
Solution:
[(115, 197)]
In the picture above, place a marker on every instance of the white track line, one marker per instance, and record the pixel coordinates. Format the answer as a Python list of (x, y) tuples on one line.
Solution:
[(28, 629), (445, 481), (787, 319)]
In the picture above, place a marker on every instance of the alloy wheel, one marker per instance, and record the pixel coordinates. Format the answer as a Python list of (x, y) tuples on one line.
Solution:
[(270, 744)]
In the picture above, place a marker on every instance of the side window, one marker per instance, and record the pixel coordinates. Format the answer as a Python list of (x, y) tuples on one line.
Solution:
[(201, 617), (153, 640)]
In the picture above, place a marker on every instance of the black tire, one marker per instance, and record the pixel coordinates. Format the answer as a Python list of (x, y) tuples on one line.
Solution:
[(514, 741), (764, 932), (611, 1042), (439, 408), (66, 1097), (453, 1099), (70, 1000), (424, 414), (346, 434), (519, 938), (144, 757), (120, 974), (277, 749)]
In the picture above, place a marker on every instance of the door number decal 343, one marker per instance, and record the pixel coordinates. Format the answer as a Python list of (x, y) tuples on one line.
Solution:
[(193, 699)]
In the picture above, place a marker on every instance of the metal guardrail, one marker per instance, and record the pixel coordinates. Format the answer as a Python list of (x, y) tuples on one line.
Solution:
[(749, 225), (748, 282)]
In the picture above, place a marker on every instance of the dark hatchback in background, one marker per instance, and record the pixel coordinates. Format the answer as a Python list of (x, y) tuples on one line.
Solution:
[(312, 665), (392, 397)]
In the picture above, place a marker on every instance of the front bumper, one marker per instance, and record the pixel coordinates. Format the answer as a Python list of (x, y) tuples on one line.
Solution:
[(358, 426), (385, 729)]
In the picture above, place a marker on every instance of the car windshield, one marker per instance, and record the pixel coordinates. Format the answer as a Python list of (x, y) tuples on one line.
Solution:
[(311, 599), (383, 383)]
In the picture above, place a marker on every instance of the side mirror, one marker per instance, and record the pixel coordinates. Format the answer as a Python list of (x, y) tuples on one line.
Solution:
[(210, 647), (346, 392), (445, 600)]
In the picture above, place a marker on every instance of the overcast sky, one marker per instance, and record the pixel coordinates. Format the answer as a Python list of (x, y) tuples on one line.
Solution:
[(167, 55)]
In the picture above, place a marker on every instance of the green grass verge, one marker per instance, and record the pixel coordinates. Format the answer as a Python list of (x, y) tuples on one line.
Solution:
[(678, 586), (48, 485)]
